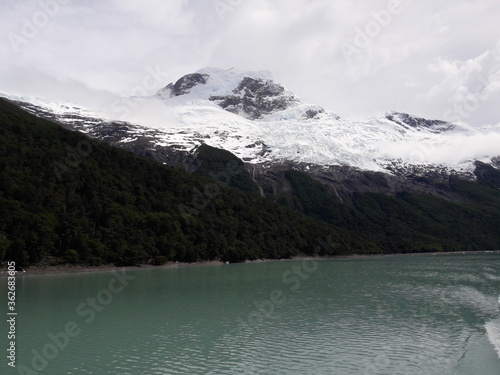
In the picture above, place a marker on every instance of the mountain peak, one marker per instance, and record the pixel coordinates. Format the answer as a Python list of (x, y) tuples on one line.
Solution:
[(257, 119), (186, 83), (409, 121), (249, 94), (207, 82)]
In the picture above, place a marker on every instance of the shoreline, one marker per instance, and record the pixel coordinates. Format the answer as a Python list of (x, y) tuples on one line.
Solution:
[(72, 269)]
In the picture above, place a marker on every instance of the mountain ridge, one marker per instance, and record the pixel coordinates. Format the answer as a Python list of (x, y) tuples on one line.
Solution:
[(106, 205), (258, 120)]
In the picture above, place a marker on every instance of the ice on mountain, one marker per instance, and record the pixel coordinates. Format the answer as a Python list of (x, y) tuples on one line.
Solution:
[(257, 119)]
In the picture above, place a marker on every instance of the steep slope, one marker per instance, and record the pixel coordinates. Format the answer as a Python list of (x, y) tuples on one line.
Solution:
[(407, 221), (259, 121), (273, 124), (269, 129), (66, 198)]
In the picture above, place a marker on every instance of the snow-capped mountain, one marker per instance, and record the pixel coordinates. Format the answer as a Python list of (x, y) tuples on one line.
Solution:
[(258, 120)]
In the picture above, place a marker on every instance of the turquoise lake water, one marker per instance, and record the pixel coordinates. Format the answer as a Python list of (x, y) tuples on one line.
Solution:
[(385, 315)]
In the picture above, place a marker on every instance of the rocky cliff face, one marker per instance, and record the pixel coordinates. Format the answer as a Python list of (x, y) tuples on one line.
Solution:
[(488, 174), (183, 85), (343, 180), (249, 97), (408, 121), (270, 176), (253, 98), (272, 131), (346, 181)]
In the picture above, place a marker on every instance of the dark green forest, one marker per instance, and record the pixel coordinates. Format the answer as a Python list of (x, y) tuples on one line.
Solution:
[(65, 198), (409, 222), (213, 161)]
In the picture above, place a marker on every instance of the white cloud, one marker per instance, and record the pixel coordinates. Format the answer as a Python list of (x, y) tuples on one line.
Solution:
[(453, 150), (414, 62), (467, 89)]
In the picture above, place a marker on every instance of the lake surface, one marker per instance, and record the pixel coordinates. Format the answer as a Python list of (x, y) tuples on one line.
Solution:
[(386, 315)]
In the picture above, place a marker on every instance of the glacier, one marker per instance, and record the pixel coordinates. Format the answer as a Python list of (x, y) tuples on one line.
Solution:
[(258, 120)]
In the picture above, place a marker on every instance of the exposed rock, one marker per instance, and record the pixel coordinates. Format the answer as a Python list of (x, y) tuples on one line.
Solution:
[(230, 103), (346, 181), (149, 142), (312, 113), (259, 87), (184, 84), (406, 120), (487, 174), (495, 161), (254, 98)]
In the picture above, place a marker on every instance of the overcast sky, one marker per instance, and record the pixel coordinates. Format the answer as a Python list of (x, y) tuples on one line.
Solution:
[(437, 59)]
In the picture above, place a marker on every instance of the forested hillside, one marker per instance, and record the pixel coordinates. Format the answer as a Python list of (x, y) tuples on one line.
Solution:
[(67, 198), (409, 222)]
